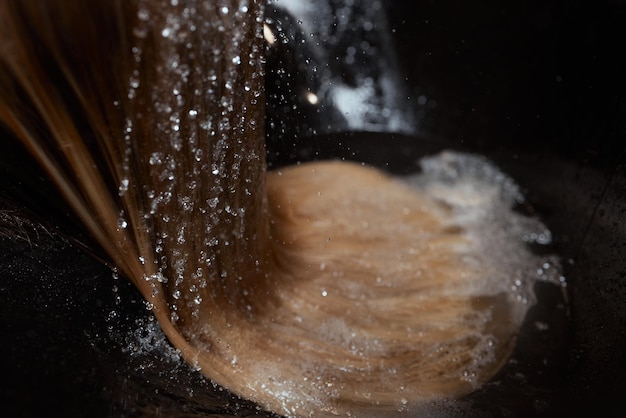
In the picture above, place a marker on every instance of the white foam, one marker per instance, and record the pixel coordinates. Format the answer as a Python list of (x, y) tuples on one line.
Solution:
[(481, 198)]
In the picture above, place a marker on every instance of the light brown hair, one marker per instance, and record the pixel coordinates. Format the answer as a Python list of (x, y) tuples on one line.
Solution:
[(321, 288)]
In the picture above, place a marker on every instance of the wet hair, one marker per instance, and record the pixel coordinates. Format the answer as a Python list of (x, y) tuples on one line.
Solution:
[(326, 286)]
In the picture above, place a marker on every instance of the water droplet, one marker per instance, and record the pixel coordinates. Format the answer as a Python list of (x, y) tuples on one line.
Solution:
[(156, 158), (213, 202), (268, 35), (312, 98), (123, 187), (143, 15)]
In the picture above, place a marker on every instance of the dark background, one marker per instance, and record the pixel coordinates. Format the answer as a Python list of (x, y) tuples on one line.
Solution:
[(527, 74)]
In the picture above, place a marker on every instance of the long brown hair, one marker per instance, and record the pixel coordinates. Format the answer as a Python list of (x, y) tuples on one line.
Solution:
[(318, 289)]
